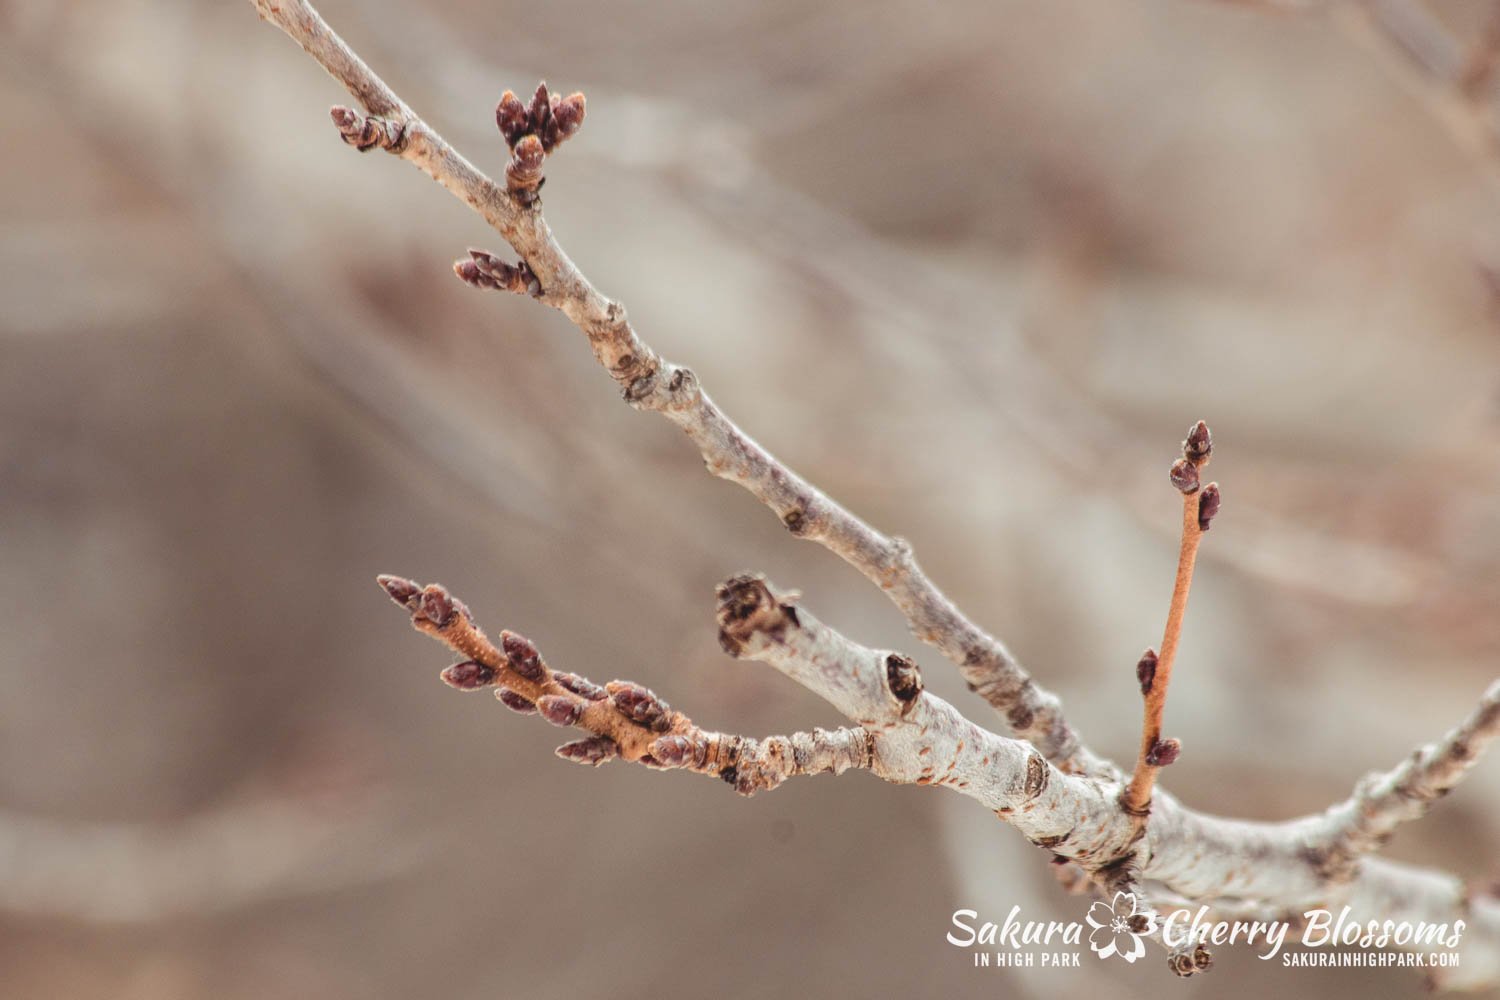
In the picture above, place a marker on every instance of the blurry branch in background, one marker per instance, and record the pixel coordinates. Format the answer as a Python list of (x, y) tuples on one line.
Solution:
[(1454, 76), (1385, 800), (262, 845), (1047, 784)]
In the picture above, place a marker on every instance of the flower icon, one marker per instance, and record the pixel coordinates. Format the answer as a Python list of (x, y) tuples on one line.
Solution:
[(1118, 926)]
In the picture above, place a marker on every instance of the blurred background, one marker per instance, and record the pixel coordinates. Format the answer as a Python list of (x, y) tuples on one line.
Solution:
[(974, 269)]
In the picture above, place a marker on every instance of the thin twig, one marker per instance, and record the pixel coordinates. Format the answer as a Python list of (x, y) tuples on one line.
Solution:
[(1154, 671)]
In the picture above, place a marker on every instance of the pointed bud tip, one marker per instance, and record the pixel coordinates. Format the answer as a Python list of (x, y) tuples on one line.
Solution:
[(593, 751), (399, 589), (343, 117), (1208, 505), (470, 675), (1199, 444)]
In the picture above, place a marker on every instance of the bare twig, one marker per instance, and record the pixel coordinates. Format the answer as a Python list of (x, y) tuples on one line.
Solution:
[(1154, 671)]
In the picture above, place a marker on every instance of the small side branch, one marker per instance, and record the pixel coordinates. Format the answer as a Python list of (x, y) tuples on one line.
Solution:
[(624, 720), (1384, 800), (1154, 671)]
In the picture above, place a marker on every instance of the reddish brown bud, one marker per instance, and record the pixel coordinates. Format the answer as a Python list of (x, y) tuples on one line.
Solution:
[(560, 710), (511, 118), (1163, 752), (1145, 670), (1199, 445), (365, 133), (581, 686), (470, 274), (435, 605), (400, 589), (523, 174), (593, 751), (485, 270), (1208, 506), (1184, 476), (522, 656), (470, 675), (639, 705), (540, 111), (680, 751), (567, 119), (1203, 959), (515, 702)]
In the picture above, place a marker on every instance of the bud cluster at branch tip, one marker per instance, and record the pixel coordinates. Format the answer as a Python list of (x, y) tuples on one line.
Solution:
[(532, 131), (485, 270), (1197, 449)]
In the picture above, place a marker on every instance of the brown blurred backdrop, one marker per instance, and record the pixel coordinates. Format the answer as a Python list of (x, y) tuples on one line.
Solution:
[(972, 268)]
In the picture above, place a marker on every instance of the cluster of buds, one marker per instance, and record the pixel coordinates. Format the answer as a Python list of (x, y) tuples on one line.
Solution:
[(1189, 962), (484, 270), (1197, 449), (622, 719), (532, 131), (365, 133)]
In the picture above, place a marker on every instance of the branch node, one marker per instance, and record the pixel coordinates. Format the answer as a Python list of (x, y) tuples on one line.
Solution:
[(365, 132)]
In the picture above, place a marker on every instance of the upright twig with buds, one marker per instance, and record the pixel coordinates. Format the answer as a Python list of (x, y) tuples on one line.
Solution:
[(1154, 671), (1042, 780)]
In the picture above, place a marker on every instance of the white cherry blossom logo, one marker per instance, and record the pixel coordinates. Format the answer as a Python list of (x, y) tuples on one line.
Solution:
[(1118, 927)]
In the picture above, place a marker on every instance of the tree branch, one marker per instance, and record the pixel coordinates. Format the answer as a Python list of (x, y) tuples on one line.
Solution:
[(652, 383), (624, 719), (1383, 801), (1071, 807)]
